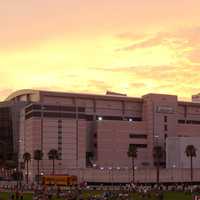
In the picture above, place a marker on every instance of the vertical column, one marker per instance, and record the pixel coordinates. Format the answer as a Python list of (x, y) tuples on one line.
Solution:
[(77, 131), (60, 139), (123, 109), (185, 113), (42, 121), (42, 134)]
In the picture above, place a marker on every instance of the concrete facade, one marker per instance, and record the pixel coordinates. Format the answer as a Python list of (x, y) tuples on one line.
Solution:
[(175, 152), (103, 125)]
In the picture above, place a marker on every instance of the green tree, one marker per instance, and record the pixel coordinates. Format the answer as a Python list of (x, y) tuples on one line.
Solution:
[(132, 153), (38, 155), (27, 159), (158, 154), (53, 155), (190, 153)]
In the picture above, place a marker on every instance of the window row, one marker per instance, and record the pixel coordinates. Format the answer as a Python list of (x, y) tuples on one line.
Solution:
[(188, 121), (139, 145), (80, 116), (138, 136), (54, 108)]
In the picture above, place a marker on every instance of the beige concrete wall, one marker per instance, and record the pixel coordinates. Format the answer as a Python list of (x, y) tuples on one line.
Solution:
[(176, 155), (58, 100), (141, 175), (188, 130), (113, 141), (82, 143), (72, 142)]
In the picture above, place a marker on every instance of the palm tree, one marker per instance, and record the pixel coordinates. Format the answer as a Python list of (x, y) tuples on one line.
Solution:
[(3, 152), (27, 158), (89, 158), (190, 152), (53, 155), (158, 154), (38, 155), (132, 153), (11, 164), (2, 158), (12, 168)]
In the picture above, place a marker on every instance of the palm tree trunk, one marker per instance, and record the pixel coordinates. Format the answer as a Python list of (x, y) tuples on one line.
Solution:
[(133, 168), (157, 174), (191, 168), (53, 166), (38, 170), (27, 172)]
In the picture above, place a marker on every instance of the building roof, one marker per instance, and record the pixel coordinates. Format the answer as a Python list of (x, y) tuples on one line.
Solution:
[(108, 96), (21, 93), (39, 93), (90, 96)]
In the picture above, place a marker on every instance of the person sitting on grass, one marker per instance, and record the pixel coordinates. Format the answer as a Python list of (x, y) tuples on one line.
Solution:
[(12, 196), (21, 196)]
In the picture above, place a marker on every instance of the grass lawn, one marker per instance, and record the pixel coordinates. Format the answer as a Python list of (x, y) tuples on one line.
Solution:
[(4, 196), (167, 196)]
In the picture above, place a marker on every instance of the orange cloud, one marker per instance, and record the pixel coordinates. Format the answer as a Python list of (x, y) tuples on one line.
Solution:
[(74, 46)]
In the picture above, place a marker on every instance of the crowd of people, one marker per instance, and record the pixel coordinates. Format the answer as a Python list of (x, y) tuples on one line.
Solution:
[(113, 193), (104, 192)]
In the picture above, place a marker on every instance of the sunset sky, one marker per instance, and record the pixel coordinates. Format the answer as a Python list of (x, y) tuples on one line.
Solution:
[(128, 46)]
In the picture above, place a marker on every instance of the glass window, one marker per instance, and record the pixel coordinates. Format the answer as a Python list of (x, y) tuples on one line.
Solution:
[(138, 136)]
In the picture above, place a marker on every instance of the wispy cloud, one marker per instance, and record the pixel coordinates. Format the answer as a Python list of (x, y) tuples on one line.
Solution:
[(80, 46), (145, 43), (181, 37), (131, 36), (181, 80)]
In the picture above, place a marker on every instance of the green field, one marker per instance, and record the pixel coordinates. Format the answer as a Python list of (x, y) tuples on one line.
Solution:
[(4, 196), (167, 196)]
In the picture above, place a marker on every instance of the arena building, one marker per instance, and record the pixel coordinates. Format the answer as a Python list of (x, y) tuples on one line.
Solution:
[(96, 130)]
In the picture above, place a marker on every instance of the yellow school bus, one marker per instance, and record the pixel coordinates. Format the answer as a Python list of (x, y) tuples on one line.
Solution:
[(59, 180)]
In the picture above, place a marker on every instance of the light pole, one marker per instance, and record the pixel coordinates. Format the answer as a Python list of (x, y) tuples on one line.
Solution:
[(94, 165), (135, 168), (182, 178), (126, 169), (118, 172), (18, 165), (173, 171), (129, 174), (110, 174), (145, 164), (82, 174), (156, 159), (41, 175), (102, 168), (156, 137)]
